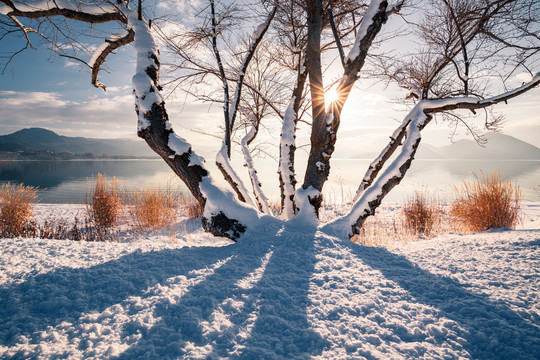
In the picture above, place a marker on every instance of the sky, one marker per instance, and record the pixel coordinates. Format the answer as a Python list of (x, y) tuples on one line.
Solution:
[(40, 89)]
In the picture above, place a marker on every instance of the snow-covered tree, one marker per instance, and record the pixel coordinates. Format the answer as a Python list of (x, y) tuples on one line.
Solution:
[(452, 55)]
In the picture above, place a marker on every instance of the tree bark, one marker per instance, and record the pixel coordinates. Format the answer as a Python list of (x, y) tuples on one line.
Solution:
[(314, 176), (155, 129), (287, 146), (326, 124)]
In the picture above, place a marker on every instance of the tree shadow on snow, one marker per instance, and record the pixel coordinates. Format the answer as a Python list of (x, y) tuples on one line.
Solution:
[(65, 294), (248, 300), (493, 330), (252, 307)]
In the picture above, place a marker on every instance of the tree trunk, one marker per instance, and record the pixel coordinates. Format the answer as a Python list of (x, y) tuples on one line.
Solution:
[(316, 175), (155, 129), (326, 124), (287, 145)]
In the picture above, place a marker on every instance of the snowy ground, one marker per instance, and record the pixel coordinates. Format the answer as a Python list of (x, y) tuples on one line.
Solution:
[(287, 294)]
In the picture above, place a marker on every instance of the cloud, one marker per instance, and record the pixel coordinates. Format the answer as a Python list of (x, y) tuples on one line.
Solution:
[(20, 100), (70, 64), (107, 115), (98, 117)]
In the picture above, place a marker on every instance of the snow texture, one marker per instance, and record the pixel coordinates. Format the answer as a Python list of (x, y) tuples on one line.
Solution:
[(367, 21), (102, 47), (41, 5), (286, 141), (223, 160), (285, 293), (145, 91), (178, 145), (256, 184)]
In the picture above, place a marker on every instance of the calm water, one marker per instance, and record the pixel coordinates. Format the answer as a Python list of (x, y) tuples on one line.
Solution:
[(69, 181)]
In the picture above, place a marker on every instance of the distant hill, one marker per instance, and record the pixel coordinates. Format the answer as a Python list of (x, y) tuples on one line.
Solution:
[(39, 139), (499, 146)]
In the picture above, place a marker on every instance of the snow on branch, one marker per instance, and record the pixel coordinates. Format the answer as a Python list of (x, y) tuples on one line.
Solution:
[(365, 205), (256, 39), (378, 163), (287, 145), (396, 8), (223, 214), (112, 43), (230, 109), (472, 103), (260, 197), (224, 165), (88, 12), (364, 29), (416, 120)]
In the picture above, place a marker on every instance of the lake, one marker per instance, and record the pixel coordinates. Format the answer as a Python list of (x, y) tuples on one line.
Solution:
[(69, 181)]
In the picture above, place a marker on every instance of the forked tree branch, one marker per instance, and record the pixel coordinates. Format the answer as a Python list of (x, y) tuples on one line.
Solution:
[(417, 119)]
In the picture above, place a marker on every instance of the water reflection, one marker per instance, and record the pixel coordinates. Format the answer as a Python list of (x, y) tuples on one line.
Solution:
[(440, 175), (66, 181)]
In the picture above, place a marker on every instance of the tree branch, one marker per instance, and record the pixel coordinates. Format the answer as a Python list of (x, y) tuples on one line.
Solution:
[(256, 39), (336, 33), (108, 12), (111, 44)]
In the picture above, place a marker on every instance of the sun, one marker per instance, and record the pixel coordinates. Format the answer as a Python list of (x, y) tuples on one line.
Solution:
[(330, 96)]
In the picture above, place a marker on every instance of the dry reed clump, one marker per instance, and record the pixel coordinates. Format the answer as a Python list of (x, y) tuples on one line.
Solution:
[(190, 208), (60, 229), (486, 203), (422, 216), (104, 206), (16, 209), (151, 209)]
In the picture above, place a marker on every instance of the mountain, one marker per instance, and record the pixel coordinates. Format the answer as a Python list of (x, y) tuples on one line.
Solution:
[(498, 147), (39, 139)]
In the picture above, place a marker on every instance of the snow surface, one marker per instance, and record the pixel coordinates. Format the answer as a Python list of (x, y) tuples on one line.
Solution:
[(287, 293)]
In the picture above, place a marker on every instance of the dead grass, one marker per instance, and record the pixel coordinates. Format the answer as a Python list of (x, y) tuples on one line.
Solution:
[(488, 202), (16, 209), (104, 206), (379, 232), (422, 215), (61, 229), (190, 208), (151, 209)]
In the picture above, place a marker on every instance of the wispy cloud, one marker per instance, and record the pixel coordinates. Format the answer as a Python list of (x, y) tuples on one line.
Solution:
[(108, 115)]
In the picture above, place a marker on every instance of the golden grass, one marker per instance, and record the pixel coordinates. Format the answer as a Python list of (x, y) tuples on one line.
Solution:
[(151, 209), (422, 215), (16, 209), (190, 208), (104, 204), (377, 232), (486, 203)]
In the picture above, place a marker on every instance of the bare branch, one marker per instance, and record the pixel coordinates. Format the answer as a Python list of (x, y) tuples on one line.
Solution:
[(336, 34), (256, 39), (101, 54)]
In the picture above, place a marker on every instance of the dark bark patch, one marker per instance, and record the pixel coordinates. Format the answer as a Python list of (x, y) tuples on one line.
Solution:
[(221, 225)]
